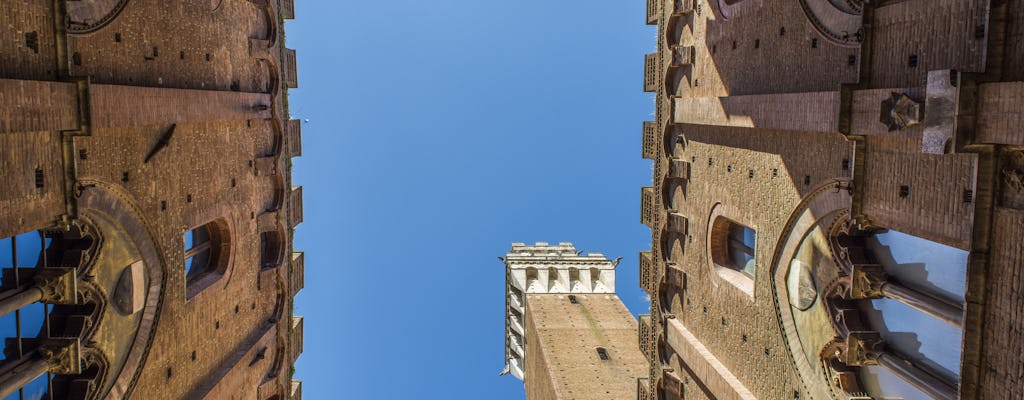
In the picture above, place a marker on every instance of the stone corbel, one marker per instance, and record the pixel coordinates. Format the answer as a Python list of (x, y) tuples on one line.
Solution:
[(63, 355), (862, 348), (866, 281), (58, 285)]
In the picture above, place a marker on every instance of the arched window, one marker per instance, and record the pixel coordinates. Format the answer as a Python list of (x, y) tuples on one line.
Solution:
[(206, 250), (733, 246)]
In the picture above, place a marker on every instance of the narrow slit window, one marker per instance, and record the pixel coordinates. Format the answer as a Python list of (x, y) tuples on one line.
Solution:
[(602, 354)]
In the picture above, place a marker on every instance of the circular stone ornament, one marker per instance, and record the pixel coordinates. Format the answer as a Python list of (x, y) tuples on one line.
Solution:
[(800, 284)]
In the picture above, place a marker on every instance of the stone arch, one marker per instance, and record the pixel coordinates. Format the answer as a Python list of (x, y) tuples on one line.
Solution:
[(672, 139), (824, 202), (85, 17), (838, 21), (102, 199)]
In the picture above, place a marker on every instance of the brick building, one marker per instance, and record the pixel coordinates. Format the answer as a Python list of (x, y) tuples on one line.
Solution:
[(146, 209), (567, 335), (825, 171)]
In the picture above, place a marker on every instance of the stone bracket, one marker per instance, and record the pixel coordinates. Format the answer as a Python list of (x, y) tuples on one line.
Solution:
[(866, 281), (59, 285), (679, 169), (862, 348), (64, 355), (678, 224), (683, 56), (265, 166)]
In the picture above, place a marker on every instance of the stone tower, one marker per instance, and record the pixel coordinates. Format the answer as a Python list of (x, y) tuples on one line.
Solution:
[(567, 335), (147, 208)]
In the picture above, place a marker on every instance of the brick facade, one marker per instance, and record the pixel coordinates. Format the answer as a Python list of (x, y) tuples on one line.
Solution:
[(156, 121), (780, 116)]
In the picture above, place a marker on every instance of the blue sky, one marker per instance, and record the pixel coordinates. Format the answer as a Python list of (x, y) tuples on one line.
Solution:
[(439, 133)]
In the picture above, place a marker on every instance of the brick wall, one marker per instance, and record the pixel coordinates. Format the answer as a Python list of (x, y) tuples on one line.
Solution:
[(567, 335), (933, 207), (1004, 321), (37, 106)]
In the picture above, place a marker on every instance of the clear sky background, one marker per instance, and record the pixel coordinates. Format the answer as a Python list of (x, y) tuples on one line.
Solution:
[(440, 132)]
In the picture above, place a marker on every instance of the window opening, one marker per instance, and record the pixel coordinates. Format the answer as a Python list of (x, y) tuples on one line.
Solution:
[(602, 354), (741, 248), (572, 300), (205, 255)]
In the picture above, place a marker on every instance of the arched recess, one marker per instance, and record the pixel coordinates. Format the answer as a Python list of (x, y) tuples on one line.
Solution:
[(99, 200), (825, 203), (670, 244)]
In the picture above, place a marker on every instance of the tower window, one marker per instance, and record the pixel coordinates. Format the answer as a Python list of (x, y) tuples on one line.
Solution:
[(572, 300), (733, 246), (206, 249), (602, 354)]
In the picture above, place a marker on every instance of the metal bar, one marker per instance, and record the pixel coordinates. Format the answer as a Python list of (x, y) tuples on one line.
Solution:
[(921, 379), (14, 259), (22, 375), (952, 314), (13, 302)]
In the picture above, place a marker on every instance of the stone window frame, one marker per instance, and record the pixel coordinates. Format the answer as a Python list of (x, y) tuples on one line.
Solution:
[(216, 248), (721, 221)]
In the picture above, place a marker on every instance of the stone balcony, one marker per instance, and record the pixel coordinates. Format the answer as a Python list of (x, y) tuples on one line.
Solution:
[(298, 272), (295, 206), (647, 273), (294, 132), (652, 11), (648, 208), (643, 389), (651, 72), (288, 9), (650, 150), (296, 338), (291, 73), (647, 336)]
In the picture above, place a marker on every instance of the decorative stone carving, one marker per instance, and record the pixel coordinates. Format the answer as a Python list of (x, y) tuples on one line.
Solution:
[(862, 348), (900, 111), (64, 355), (59, 285), (866, 281)]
